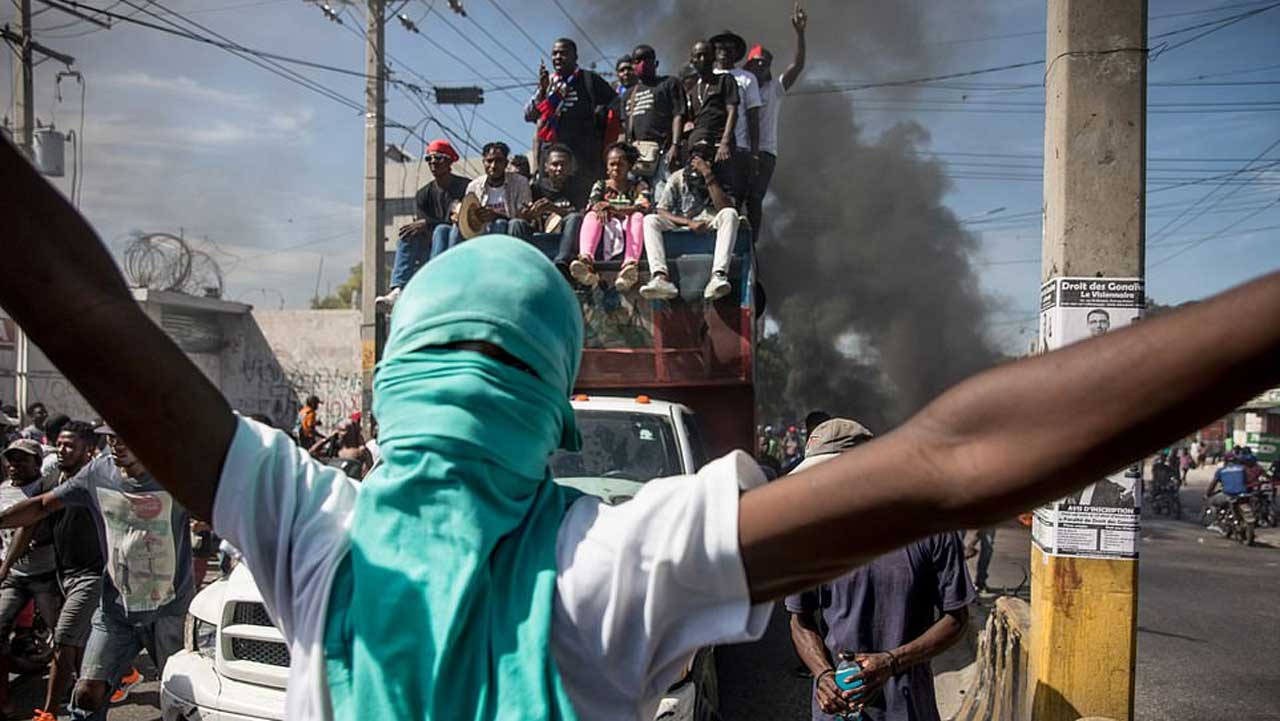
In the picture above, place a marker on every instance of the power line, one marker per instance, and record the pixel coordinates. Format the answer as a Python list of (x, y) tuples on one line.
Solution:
[(581, 31), (1248, 167), (208, 41), (520, 28), (1213, 26), (484, 53), (244, 54), (1207, 238)]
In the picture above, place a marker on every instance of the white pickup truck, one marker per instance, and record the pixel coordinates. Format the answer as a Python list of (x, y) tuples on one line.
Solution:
[(236, 664)]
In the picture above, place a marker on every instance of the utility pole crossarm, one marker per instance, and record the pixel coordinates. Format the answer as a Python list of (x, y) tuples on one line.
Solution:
[(45, 50)]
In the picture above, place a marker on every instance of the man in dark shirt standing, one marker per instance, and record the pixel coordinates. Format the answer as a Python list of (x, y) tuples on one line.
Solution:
[(653, 112), (713, 102), (78, 556), (893, 614), (569, 107), (434, 202), (560, 191)]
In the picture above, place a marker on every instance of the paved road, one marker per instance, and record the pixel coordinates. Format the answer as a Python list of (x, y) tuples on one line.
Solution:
[(1208, 629)]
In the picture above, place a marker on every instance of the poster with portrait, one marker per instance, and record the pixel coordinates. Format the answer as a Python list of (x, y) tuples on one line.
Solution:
[(1102, 520)]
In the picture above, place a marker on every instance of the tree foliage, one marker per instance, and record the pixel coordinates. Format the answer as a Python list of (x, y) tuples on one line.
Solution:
[(345, 295)]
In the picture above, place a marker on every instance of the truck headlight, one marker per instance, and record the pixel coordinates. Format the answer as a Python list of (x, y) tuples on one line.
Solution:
[(200, 637)]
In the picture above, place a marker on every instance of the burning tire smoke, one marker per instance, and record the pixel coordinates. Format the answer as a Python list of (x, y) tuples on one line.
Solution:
[(868, 275)]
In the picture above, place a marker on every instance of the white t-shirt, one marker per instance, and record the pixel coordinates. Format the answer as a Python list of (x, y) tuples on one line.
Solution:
[(639, 587), (496, 198), (772, 95), (748, 98)]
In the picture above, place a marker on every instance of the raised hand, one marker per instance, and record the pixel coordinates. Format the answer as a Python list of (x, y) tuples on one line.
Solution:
[(799, 19)]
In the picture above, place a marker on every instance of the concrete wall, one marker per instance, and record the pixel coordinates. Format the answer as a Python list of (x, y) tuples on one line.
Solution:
[(290, 354), (263, 362)]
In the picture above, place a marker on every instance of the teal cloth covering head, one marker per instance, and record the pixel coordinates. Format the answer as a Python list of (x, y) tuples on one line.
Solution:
[(442, 609)]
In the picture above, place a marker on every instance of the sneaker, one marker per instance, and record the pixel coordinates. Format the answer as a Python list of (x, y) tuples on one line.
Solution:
[(719, 286), (384, 303), (131, 679), (659, 288), (583, 271), (627, 277)]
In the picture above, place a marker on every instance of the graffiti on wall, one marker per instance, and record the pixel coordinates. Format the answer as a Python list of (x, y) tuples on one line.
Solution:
[(261, 379)]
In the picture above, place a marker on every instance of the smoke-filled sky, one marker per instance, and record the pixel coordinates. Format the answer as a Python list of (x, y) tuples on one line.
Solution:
[(871, 183)]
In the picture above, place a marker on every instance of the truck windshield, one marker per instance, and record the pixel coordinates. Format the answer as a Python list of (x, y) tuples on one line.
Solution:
[(631, 446)]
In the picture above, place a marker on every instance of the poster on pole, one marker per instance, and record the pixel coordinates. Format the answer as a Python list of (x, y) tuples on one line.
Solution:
[(1102, 520)]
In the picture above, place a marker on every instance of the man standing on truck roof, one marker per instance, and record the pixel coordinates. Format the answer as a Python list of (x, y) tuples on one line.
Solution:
[(147, 587), (569, 107), (462, 582), (772, 92)]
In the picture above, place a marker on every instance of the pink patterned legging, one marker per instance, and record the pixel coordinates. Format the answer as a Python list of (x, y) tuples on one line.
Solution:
[(632, 233)]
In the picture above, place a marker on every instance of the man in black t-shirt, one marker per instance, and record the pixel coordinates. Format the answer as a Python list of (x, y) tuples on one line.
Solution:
[(79, 561), (653, 111), (569, 107), (562, 191), (713, 103), (428, 236)]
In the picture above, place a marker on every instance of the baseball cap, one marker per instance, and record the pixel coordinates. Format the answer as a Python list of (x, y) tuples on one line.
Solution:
[(25, 445), (440, 146), (757, 52), (104, 430), (835, 435)]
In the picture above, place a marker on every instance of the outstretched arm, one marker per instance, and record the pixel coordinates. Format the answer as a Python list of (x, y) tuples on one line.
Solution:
[(64, 290), (799, 19), (1012, 438)]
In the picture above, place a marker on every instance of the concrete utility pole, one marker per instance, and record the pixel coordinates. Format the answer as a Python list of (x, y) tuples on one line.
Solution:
[(372, 329), (24, 107), (1084, 580)]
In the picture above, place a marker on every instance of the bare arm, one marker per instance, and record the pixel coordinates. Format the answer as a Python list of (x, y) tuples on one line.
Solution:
[(799, 19), (30, 511), (718, 196), (813, 652), (17, 549), (679, 220), (809, 644), (140, 394), (730, 122), (936, 639), (990, 447)]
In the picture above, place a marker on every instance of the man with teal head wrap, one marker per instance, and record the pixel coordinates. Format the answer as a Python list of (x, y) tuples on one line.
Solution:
[(458, 585), (461, 582), (443, 606)]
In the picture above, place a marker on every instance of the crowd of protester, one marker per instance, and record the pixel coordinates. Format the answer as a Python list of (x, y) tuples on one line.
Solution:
[(615, 167)]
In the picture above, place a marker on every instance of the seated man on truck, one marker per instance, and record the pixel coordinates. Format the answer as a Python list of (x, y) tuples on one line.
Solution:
[(693, 199)]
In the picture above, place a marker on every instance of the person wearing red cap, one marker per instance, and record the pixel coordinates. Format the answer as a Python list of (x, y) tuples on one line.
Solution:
[(760, 63), (434, 202)]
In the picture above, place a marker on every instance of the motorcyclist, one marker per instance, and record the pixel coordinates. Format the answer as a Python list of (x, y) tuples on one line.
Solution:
[(1163, 475), (1231, 478)]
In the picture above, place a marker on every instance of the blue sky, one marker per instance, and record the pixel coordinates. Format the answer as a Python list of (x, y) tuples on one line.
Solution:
[(181, 135)]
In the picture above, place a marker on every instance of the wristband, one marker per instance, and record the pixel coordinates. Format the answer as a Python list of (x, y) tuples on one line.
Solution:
[(893, 663), (831, 671)]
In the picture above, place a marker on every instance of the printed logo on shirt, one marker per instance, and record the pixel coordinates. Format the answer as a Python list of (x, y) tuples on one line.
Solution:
[(141, 552), (643, 101)]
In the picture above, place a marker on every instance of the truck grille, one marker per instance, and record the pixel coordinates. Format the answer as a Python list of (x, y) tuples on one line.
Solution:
[(251, 614), (270, 653)]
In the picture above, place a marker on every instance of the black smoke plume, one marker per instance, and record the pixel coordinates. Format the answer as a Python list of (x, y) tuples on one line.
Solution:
[(868, 274)]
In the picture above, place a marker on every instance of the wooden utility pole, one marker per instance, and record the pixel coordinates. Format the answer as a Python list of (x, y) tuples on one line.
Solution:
[(1084, 579), (372, 329), (24, 107)]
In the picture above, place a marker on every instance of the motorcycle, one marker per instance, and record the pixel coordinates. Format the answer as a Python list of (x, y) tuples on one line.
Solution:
[(1165, 500), (1264, 504), (1237, 520)]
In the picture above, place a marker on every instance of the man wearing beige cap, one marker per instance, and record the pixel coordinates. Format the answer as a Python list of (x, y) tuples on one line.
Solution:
[(893, 614)]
